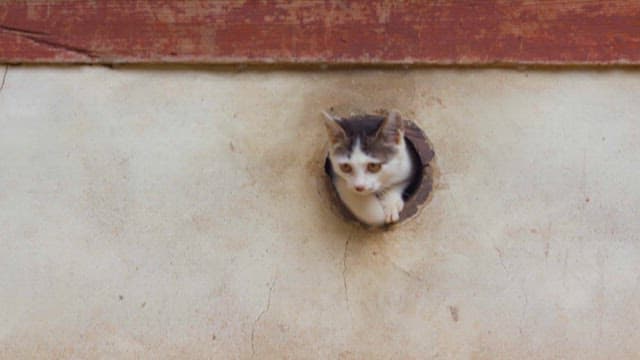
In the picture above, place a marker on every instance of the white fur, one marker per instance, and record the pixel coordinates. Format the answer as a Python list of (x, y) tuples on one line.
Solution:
[(381, 202)]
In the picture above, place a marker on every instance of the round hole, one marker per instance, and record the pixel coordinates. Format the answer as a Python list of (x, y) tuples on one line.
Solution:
[(421, 186)]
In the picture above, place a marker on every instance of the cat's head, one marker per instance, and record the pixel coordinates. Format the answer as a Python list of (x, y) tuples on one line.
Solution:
[(362, 147)]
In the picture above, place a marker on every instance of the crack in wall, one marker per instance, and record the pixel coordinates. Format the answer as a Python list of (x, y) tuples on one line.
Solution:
[(20, 31), (39, 38), (61, 46), (255, 322), (4, 77), (500, 258), (408, 273), (524, 312), (344, 273)]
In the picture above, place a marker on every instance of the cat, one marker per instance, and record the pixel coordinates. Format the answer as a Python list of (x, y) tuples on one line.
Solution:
[(372, 165)]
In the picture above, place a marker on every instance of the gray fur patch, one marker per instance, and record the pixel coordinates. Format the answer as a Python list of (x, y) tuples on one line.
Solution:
[(363, 129)]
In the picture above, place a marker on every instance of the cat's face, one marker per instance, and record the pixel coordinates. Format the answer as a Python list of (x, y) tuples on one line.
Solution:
[(362, 147)]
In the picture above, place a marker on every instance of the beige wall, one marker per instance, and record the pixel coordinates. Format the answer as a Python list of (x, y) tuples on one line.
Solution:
[(180, 213)]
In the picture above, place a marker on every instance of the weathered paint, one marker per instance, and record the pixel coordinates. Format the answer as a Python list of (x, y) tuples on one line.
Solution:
[(153, 214), (480, 32)]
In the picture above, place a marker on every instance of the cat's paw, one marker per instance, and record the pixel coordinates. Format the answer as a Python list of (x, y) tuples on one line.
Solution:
[(392, 206)]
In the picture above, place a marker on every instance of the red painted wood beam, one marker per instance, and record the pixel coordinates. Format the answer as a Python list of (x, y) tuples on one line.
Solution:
[(476, 32)]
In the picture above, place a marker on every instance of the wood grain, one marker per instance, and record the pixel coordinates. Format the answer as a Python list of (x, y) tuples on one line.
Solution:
[(477, 32)]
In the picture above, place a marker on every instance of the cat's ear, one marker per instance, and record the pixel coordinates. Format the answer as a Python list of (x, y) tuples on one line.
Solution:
[(391, 129), (334, 130)]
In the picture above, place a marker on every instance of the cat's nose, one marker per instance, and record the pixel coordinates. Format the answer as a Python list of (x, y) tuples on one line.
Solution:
[(359, 188)]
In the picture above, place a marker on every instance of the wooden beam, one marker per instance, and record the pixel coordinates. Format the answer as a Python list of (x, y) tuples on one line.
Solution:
[(475, 32)]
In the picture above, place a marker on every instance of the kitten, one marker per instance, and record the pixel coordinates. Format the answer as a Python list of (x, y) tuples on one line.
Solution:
[(372, 165)]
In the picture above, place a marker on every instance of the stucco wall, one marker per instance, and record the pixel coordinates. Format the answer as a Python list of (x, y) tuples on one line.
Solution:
[(181, 213)]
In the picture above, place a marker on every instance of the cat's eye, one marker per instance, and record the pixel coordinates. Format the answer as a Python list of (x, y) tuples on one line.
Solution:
[(346, 168), (373, 167)]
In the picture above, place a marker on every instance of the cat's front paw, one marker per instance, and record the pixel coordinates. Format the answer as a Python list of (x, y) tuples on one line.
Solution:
[(392, 206)]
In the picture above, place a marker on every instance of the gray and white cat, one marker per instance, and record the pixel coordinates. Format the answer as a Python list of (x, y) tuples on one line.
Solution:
[(372, 165)]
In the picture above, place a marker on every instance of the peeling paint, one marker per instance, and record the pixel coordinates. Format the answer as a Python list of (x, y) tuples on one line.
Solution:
[(322, 31)]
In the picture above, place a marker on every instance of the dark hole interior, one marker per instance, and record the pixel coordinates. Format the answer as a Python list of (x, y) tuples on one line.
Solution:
[(417, 177)]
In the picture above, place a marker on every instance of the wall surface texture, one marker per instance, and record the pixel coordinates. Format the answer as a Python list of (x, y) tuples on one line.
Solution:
[(181, 213), (559, 32)]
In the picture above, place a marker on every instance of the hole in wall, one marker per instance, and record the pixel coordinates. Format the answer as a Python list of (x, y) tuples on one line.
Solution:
[(417, 193)]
